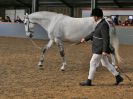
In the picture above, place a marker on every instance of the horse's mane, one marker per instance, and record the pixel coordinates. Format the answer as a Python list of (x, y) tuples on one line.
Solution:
[(43, 15)]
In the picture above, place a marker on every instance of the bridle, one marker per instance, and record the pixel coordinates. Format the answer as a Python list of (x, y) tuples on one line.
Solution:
[(28, 22)]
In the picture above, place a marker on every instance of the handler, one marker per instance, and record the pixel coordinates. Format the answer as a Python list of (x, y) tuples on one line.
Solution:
[(100, 48)]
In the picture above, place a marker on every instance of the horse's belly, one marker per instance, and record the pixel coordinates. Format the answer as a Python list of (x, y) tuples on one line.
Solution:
[(75, 36)]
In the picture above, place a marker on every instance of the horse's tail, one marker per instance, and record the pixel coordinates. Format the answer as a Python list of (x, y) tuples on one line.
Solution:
[(115, 44)]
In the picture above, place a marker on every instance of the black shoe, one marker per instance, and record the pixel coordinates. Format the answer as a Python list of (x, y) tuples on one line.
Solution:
[(86, 83), (119, 79)]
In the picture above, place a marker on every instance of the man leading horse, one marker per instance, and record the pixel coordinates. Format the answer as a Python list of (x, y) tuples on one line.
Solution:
[(100, 48)]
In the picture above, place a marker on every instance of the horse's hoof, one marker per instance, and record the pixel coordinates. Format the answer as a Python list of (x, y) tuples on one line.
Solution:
[(62, 69), (41, 67)]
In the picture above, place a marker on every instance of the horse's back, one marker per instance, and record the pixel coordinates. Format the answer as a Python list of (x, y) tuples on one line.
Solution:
[(76, 28)]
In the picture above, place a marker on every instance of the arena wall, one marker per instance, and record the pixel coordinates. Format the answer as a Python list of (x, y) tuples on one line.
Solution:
[(124, 33), (17, 30)]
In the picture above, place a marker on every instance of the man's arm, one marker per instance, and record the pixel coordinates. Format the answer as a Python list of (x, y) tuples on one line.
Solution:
[(87, 38)]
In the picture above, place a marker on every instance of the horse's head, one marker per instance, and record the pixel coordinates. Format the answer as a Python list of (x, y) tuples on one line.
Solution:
[(45, 19), (29, 26)]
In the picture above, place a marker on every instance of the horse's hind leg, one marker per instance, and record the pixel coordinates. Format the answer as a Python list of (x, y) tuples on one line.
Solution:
[(45, 48), (62, 54), (113, 59)]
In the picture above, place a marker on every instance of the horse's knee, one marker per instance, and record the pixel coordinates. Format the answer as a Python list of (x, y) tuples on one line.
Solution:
[(44, 50), (57, 40), (49, 44), (61, 50), (60, 46), (62, 53)]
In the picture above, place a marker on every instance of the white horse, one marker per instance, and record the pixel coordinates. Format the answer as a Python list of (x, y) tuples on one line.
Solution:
[(60, 27)]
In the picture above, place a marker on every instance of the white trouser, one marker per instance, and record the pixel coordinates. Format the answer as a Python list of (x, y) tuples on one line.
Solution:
[(94, 63)]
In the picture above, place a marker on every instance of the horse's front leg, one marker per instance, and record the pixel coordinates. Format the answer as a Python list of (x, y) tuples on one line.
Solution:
[(62, 53), (44, 49)]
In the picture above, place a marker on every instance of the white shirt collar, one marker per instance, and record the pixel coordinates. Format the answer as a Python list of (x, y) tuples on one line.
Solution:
[(99, 21)]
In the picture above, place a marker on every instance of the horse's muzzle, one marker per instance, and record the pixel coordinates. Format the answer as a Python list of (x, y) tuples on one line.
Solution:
[(29, 34)]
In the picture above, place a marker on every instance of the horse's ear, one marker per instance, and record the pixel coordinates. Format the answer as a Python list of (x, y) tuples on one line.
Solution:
[(26, 14)]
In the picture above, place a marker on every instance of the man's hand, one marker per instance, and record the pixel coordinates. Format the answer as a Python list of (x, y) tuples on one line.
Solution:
[(104, 54), (81, 41)]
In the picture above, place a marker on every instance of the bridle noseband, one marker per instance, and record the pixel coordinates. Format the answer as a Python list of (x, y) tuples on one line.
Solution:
[(30, 31), (28, 22)]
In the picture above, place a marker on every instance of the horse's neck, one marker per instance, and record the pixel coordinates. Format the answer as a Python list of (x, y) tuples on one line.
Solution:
[(54, 21), (48, 23)]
